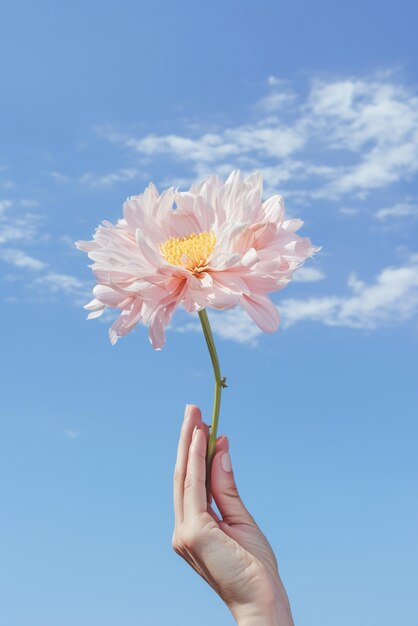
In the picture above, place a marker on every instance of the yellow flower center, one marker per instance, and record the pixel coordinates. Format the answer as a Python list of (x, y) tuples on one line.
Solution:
[(191, 252)]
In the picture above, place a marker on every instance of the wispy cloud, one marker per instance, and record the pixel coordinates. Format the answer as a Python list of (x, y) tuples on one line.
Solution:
[(20, 229), (308, 275), (4, 206), (398, 210), (5, 183), (375, 120), (16, 225), (52, 284), (391, 299), (106, 180), (20, 259), (265, 138), (59, 177), (66, 283), (233, 324), (345, 135), (280, 96), (350, 211)]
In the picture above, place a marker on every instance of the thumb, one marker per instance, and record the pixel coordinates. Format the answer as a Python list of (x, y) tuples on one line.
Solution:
[(224, 489)]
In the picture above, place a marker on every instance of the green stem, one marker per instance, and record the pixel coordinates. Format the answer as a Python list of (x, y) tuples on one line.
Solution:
[(220, 383)]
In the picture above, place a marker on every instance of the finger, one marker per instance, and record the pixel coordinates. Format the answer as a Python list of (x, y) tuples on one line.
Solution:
[(194, 502), (221, 444), (224, 489), (192, 418)]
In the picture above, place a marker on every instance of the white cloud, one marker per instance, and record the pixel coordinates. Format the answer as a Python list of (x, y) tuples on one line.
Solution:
[(55, 284), (7, 184), (60, 178), (232, 324), (273, 81), (29, 203), (399, 210), (376, 121), (23, 228), (267, 139), (14, 225), (373, 110), (308, 275), (18, 258), (350, 211), (106, 180), (66, 283), (280, 96), (391, 299), (4, 206), (68, 241), (346, 135), (235, 324)]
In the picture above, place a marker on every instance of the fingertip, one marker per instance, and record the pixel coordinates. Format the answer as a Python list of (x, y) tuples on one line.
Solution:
[(222, 444), (217, 471), (192, 412), (199, 440), (226, 462)]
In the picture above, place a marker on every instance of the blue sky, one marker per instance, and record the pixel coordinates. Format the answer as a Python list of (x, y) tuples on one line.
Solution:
[(97, 100)]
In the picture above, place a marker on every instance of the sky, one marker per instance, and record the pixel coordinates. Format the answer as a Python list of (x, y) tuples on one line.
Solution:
[(99, 99)]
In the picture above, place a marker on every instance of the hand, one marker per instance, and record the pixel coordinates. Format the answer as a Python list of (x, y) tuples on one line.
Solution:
[(231, 553)]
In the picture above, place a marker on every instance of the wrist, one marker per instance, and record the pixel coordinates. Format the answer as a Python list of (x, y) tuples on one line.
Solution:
[(277, 613), (275, 616)]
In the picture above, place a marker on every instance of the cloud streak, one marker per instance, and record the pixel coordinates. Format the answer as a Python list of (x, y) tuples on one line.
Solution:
[(15, 225), (399, 210), (390, 300), (20, 259), (107, 180), (65, 283), (344, 136)]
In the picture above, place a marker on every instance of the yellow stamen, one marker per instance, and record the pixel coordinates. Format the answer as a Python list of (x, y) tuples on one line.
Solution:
[(191, 252)]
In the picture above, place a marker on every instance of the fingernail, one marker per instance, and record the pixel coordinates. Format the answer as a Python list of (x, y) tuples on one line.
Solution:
[(226, 462), (222, 440), (187, 411), (195, 429)]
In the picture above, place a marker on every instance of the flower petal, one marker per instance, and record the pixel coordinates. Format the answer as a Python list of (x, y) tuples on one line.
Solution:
[(151, 256), (126, 322), (262, 311), (274, 210), (158, 325)]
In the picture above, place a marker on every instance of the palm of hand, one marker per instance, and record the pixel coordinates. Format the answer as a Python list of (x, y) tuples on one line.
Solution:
[(235, 559)]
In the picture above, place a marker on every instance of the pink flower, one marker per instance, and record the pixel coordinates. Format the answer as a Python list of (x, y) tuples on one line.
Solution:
[(216, 245)]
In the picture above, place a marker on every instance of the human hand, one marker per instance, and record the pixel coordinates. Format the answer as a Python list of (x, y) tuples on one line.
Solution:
[(230, 553)]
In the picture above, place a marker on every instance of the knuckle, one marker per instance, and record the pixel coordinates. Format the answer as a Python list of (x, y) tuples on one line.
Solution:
[(188, 482), (190, 537), (232, 491), (177, 543), (174, 543)]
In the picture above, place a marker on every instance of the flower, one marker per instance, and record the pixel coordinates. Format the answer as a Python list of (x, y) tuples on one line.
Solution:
[(217, 245)]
